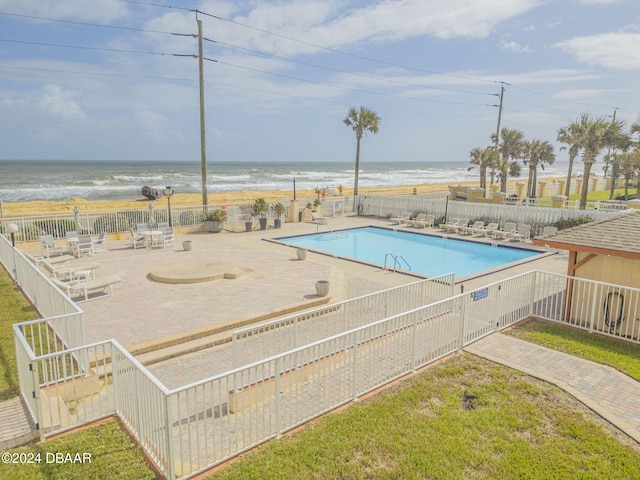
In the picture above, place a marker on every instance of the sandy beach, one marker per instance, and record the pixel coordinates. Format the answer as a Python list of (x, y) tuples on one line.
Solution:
[(13, 209)]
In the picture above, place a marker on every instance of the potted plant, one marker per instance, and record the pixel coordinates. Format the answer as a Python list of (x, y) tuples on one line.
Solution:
[(316, 204), (278, 209), (259, 209), (213, 220)]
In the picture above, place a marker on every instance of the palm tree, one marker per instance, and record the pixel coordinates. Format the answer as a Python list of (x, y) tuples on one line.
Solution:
[(629, 165), (483, 158), (510, 150), (571, 136), (536, 153), (597, 133), (361, 121)]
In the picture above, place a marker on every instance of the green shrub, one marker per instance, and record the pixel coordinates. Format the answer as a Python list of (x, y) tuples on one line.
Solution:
[(571, 222)]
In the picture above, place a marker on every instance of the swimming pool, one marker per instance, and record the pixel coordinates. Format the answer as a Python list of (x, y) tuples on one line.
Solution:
[(423, 254)]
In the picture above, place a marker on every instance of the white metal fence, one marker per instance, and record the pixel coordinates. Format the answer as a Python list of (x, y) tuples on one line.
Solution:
[(270, 338), (386, 206), (30, 228), (189, 429)]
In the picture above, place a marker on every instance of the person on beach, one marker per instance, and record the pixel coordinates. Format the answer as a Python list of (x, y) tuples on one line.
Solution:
[(340, 190)]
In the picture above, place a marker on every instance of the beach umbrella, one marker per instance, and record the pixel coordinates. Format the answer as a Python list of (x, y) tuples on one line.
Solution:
[(76, 215), (152, 220)]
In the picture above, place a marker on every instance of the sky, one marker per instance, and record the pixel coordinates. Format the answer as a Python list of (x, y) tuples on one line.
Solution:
[(119, 80)]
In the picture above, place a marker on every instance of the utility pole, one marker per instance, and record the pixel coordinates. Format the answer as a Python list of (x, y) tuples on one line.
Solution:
[(614, 165), (499, 114), (203, 140)]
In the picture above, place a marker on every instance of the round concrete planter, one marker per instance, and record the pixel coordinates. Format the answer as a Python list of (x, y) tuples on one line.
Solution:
[(301, 253), (186, 245), (322, 288)]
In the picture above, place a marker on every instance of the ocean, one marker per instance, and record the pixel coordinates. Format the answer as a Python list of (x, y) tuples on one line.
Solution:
[(28, 180)]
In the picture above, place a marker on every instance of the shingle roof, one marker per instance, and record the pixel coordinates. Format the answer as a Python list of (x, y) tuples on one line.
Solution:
[(616, 234)]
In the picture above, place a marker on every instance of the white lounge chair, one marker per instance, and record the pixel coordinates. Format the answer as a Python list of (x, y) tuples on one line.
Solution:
[(49, 246), (100, 245), (419, 218), (549, 230), (455, 227), (477, 225), (82, 289), (401, 219), (487, 230), (508, 228), (427, 222), (66, 272), (523, 232)]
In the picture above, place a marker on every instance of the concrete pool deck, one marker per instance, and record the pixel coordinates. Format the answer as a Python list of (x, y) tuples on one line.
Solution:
[(142, 313)]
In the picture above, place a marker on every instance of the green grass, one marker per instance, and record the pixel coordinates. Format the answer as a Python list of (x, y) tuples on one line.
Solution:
[(14, 308), (517, 427), (601, 194), (620, 355), (113, 455)]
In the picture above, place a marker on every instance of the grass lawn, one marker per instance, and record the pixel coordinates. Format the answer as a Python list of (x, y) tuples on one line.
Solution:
[(601, 194), (14, 308)]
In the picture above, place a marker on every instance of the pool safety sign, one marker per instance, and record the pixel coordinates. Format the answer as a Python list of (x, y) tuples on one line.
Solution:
[(480, 294)]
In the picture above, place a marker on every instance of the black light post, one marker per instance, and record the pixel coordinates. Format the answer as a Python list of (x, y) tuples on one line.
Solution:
[(167, 193), (446, 207)]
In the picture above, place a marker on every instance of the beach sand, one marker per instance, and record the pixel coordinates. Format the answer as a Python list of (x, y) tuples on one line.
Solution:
[(15, 209)]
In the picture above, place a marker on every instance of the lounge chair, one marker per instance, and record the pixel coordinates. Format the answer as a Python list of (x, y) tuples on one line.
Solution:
[(137, 240), (454, 221), (82, 289), (401, 219), (477, 225), (49, 246), (427, 222), (549, 230), (508, 228), (419, 218), (487, 230), (100, 245), (67, 272), (455, 227), (523, 232)]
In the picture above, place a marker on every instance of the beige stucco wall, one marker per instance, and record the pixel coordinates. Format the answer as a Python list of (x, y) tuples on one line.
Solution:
[(610, 269)]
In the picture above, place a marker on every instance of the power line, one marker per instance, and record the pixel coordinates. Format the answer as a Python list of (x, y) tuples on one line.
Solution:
[(79, 47)]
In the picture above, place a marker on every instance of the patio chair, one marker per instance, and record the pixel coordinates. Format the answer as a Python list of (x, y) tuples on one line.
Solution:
[(137, 240), (419, 218), (100, 245), (477, 225), (453, 221), (67, 272), (163, 225), (85, 245), (83, 289), (487, 230), (508, 228), (167, 237), (71, 237), (523, 232), (49, 246), (401, 219), (141, 227)]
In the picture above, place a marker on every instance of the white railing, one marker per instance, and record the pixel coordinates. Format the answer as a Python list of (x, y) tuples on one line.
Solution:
[(31, 227), (252, 343), (189, 429), (385, 206)]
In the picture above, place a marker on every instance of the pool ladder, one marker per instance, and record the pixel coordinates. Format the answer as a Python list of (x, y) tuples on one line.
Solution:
[(396, 261)]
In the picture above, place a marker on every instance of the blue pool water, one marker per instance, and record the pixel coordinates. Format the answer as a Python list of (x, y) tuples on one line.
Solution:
[(424, 254)]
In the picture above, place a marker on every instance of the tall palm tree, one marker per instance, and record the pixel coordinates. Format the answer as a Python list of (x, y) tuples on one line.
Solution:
[(361, 121), (483, 158), (629, 165), (535, 154), (597, 134), (571, 136), (510, 150)]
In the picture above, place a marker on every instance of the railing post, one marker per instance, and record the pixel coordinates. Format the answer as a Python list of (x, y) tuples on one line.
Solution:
[(594, 307), (462, 316), (355, 366), (277, 382), (414, 342), (169, 437), (37, 399)]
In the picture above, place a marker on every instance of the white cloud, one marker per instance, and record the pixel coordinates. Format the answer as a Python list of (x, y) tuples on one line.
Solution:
[(611, 50), (59, 103), (514, 47), (78, 10)]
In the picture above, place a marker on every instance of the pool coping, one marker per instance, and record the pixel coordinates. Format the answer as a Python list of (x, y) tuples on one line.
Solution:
[(541, 253)]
